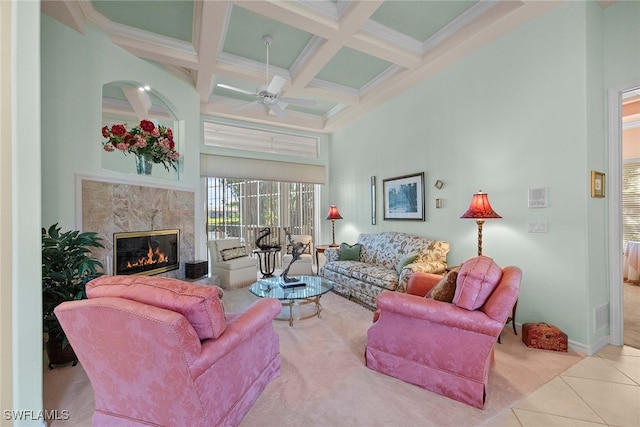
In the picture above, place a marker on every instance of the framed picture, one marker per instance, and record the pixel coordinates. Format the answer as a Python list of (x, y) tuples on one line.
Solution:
[(597, 184), (404, 197)]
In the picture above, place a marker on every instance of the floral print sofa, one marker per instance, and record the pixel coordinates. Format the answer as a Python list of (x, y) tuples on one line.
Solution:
[(387, 259)]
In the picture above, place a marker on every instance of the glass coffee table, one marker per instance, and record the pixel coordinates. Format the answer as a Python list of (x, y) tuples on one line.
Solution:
[(314, 287)]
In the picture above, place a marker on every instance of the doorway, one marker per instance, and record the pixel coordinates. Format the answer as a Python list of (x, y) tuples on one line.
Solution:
[(619, 124), (630, 110)]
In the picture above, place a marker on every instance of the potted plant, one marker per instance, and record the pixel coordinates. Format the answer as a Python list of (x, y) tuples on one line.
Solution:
[(67, 266)]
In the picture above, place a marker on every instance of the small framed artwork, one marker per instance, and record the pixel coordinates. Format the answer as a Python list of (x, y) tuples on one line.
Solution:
[(597, 184), (404, 197)]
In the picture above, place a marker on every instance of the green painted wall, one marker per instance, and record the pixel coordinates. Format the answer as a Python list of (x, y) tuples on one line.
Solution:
[(74, 69), (527, 111)]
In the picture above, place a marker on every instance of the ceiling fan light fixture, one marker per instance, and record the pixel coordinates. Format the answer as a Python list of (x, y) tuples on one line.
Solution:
[(269, 95)]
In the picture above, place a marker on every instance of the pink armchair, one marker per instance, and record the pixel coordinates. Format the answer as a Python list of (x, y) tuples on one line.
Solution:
[(162, 352), (444, 347)]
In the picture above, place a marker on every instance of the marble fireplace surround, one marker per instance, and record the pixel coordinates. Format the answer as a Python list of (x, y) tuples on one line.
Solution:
[(108, 206)]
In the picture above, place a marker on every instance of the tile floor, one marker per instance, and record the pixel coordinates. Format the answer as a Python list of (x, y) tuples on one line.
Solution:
[(603, 390)]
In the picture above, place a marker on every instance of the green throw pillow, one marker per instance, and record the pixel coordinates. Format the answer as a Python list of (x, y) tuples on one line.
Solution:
[(350, 252), (406, 260)]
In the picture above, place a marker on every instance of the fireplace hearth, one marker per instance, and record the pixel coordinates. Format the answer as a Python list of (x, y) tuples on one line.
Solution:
[(146, 252)]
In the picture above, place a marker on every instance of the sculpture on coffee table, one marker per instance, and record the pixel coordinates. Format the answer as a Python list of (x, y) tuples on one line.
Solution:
[(297, 249)]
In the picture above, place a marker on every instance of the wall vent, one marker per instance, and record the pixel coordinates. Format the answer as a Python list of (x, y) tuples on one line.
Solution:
[(601, 317)]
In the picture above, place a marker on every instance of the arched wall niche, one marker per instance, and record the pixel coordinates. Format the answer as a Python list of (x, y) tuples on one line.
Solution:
[(129, 102)]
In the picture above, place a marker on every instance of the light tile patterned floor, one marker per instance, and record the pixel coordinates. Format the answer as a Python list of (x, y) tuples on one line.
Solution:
[(603, 390)]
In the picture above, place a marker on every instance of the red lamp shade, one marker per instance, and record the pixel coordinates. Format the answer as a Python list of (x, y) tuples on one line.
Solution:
[(333, 213), (480, 209)]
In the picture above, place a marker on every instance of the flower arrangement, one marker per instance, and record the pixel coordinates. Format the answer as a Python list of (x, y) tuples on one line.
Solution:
[(154, 143)]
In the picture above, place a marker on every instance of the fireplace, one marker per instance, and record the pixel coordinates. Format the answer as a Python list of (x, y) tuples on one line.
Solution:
[(146, 252)]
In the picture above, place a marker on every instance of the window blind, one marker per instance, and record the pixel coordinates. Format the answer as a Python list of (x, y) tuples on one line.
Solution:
[(630, 203), (265, 170)]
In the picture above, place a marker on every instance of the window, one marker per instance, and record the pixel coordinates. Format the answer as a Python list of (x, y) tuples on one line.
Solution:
[(241, 208), (219, 135)]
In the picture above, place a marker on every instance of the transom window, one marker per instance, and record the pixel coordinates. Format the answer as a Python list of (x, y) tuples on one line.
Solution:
[(219, 135)]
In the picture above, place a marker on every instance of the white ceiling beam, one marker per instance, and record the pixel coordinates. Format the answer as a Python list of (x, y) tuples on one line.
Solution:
[(351, 21), (68, 12), (208, 40), (139, 100), (142, 43), (384, 50), (258, 115), (154, 52), (315, 62), (293, 14)]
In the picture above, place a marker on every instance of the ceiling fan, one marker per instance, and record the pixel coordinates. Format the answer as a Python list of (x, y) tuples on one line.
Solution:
[(269, 95)]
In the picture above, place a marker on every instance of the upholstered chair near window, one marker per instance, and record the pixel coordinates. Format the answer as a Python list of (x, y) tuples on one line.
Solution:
[(163, 352), (233, 263), (448, 338), (303, 266)]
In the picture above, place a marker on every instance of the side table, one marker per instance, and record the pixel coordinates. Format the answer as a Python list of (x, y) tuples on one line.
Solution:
[(267, 261)]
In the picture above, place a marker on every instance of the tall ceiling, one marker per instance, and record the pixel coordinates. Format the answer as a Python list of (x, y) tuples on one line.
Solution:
[(348, 56)]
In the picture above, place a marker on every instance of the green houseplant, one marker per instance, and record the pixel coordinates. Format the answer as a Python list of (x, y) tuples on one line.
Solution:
[(67, 266)]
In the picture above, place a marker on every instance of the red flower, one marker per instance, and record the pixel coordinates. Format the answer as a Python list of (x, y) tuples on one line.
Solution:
[(144, 139), (129, 139), (118, 130), (147, 125)]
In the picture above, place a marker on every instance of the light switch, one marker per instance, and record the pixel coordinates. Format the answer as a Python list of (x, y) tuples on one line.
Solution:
[(537, 226)]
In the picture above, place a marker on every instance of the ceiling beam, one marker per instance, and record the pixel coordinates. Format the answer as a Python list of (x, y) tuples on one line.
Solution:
[(139, 101), (258, 115), (68, 12), (154, 52), (294, 14), (350, 22), (212, 18)]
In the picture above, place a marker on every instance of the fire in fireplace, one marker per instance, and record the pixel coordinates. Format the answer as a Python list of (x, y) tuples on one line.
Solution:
[(146, 252)]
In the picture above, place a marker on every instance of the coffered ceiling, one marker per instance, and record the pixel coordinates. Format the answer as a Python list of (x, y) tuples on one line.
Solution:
[(348, 56)]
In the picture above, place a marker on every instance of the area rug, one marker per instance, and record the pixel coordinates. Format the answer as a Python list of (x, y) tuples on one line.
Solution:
[(324, 381)]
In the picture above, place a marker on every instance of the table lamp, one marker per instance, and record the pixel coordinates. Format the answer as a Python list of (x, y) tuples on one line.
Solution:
[(480, 209), (333, 215)]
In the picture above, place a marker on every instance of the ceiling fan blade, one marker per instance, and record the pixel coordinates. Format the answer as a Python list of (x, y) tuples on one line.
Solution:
[(276, 85), (247, 105), (235, 89), (277, 110), (298, 101)]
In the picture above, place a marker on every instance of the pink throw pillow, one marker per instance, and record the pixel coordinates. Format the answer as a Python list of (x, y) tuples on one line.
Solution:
[(477, 279), (201, 305)]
